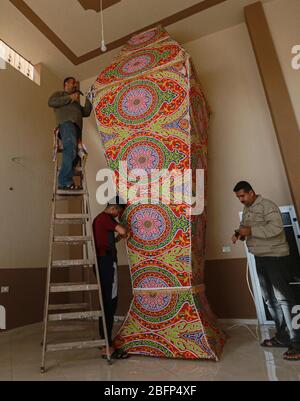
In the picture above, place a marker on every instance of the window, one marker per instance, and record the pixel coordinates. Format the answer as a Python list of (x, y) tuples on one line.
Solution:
[(16, 60)]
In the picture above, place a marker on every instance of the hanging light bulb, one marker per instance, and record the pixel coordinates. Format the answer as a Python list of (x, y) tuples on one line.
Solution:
[(103, 45)]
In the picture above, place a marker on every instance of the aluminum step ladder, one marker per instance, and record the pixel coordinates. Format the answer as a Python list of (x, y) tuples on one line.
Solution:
[(75, 316)]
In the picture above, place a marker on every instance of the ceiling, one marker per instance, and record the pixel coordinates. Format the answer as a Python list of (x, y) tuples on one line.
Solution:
[(65, 34), (96, 4)]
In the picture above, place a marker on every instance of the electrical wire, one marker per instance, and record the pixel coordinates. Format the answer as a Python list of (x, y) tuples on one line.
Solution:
[(256, 333), (103, 46)]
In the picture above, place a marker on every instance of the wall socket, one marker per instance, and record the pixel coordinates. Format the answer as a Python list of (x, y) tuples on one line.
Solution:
[(226, 249), (4, 290)]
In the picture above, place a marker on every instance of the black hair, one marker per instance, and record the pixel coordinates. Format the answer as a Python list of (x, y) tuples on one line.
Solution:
[(243, 185), (68, 79), (117, 201)]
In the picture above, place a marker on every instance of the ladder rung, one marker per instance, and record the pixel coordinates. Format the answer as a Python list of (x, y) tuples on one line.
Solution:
[(72, 239), (72, 326), (68, 222), (73, 287), (74, 315), (68, 306), (71, 216), (61, 192), (72, 263), (75, 345)]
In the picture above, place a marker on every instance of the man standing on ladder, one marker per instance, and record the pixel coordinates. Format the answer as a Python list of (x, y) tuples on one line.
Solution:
[(69, 114)]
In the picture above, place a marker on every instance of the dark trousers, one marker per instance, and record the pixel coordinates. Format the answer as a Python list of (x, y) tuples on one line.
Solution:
[(275, 275), (107, 272)]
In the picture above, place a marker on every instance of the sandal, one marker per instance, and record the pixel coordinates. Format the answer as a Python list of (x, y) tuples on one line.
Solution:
[(117, 354), (273, 343), (120, 354), (71, 187), (292, 355)]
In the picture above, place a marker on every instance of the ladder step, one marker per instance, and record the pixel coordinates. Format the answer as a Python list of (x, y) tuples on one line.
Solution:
[(73, 287), (74, 315), (71, 216), (68, 222), (75, 345), (72, 239), (72, 326), (61, 192), (72, 263), (68, 306)]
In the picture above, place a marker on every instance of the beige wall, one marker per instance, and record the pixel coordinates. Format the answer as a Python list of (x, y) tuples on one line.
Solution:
[(26, 125), (284, 21), (242, 143)]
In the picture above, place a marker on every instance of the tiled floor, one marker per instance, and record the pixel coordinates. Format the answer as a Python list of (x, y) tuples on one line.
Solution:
[(243, 359)]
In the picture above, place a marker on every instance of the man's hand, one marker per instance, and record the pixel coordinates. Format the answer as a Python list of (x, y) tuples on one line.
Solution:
[(75, 97), (235, 239), (120, 237), (245, 231), (241, 234)]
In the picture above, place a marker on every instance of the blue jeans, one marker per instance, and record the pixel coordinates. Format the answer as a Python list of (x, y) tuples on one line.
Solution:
[(69, 134)]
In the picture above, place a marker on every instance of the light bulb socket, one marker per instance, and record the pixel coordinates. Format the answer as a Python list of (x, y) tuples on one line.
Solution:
[(103, 46)]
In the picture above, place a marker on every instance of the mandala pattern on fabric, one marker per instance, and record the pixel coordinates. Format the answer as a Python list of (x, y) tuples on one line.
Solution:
[(153, 226), (159, 272), (182, 124), (144, 157), (154, 303), (139, 62), (153, 308), (150, 225), (140, 102), (142, 38), (148, 152), (145, 39), (152, 116)]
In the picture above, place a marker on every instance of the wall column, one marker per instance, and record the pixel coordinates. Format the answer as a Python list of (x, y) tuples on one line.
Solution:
[(281, 108)]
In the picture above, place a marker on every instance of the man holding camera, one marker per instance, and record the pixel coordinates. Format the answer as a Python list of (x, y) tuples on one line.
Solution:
[(262, 229), (69, 114)]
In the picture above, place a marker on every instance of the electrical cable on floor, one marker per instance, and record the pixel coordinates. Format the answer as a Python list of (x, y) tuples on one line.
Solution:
[(254, 334)]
